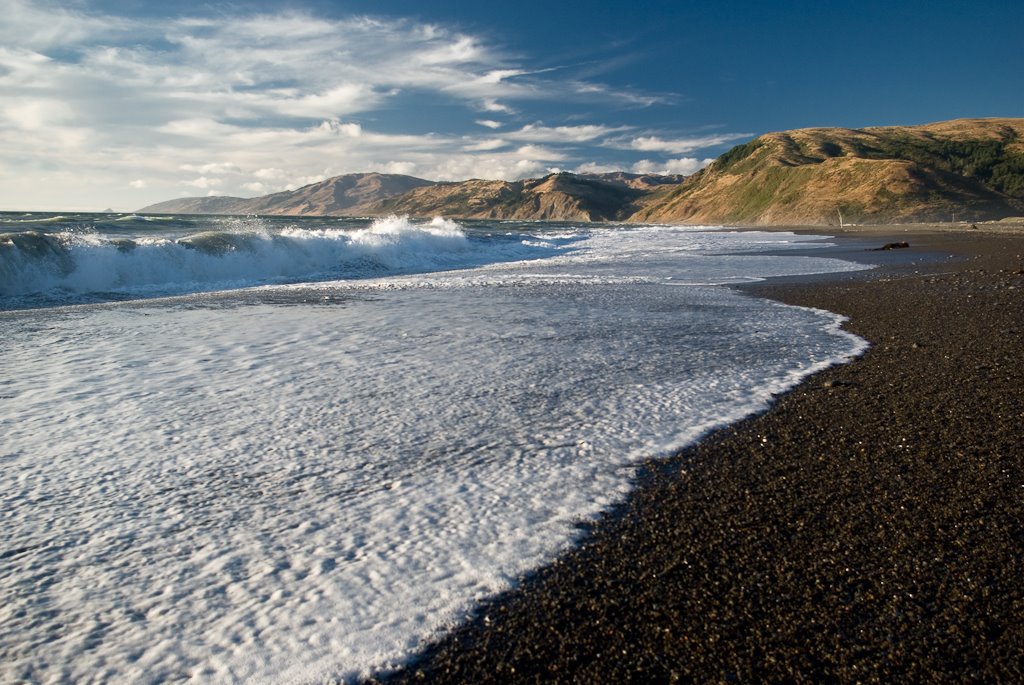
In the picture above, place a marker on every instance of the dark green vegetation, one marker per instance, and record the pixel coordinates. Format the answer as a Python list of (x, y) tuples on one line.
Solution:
[(992, 163), (730, 159)]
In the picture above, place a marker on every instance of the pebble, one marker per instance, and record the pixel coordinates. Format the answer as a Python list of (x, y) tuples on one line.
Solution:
[(876, 537)]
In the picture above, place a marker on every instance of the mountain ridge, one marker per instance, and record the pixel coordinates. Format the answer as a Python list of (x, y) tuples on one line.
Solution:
[(558, 197), (344, 195), (971, 168)]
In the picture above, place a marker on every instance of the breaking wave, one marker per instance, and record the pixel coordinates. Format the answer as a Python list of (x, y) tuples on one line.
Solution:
[(56, 265)]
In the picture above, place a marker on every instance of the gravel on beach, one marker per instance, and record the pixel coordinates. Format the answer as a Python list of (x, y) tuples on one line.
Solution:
[(869, 527)]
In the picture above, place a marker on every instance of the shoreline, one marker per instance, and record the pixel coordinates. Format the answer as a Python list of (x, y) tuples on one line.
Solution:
[(867, 527)]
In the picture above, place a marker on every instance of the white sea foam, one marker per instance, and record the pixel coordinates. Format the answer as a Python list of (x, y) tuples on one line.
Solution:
[(292, 484), (234, 253), (143, 217)]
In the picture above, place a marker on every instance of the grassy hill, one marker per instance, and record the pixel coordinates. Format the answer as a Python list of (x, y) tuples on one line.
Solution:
[(562, 197), (347, 195), (971, 167)]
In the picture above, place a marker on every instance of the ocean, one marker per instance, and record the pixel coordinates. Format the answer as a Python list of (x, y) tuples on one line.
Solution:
[(293, 449)]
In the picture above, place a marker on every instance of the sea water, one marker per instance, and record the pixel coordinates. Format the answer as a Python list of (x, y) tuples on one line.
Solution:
[(292, 450)]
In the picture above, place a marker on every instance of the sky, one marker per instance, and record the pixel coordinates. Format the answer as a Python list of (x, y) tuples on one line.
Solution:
[(124, 104)]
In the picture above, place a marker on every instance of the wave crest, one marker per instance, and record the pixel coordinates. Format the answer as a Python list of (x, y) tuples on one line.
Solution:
[(237, 252)]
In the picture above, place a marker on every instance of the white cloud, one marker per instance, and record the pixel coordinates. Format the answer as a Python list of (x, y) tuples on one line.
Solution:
[(684, 166), (195, 128), (339, 128), (35, 114), (406, 168), (212, 168), (492, 105), (287, 65), (307, 180), (507, 167), (485, 145), (204, 182), (343, 98), (270, 174), (451, 50), (596, 168), (541, 152), (538, 133), (600, 91), (499, 75), (512, 164), (678, 146), (41, 25), (93, 104)]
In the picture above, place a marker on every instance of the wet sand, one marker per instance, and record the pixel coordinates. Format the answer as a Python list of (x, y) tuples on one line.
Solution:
[(868, 528)]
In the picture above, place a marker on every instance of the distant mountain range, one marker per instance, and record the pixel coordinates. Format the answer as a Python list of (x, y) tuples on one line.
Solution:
[(348, 195), (577, 197), (971, 167), (563, 196)]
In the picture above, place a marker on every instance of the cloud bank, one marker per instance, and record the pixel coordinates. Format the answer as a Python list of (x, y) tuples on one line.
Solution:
[(100, 109)]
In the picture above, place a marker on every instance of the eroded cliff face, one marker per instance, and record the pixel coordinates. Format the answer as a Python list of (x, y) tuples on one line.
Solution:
[(973, 167)]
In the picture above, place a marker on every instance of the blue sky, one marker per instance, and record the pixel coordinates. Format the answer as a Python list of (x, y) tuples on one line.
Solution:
[(126, 103)]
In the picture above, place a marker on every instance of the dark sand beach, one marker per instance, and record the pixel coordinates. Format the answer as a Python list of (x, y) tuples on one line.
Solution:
[(869, 527)]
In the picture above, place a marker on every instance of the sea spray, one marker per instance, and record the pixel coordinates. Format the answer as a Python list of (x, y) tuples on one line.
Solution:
[(233, 253)]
